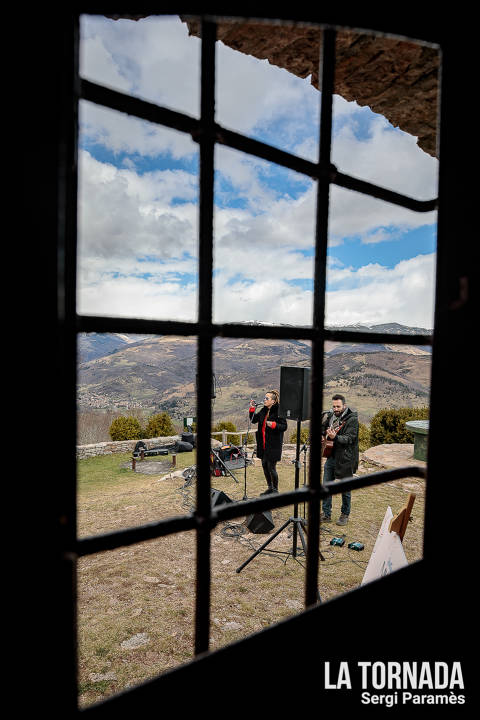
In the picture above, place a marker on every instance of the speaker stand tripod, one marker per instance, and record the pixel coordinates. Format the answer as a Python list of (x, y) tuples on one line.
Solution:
[(299, 524)]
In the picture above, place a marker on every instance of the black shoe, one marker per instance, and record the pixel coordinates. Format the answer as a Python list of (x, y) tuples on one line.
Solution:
[(268, 491)]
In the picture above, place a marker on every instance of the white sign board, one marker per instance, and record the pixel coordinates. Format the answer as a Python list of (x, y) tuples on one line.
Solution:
[(387, 555)]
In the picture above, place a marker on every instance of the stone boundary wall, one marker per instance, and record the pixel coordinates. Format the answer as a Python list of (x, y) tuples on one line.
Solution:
[(124, 446), (121, 446)]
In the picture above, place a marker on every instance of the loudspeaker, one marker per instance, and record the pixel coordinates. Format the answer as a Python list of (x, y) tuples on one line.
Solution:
[(260, 522), (213, 392), (218, 497), (294, 393)]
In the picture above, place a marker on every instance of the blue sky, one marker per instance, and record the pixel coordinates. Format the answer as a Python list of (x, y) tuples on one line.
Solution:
[(138, 193)]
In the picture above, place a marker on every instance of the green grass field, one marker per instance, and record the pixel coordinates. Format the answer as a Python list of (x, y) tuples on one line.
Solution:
[(136, 604)]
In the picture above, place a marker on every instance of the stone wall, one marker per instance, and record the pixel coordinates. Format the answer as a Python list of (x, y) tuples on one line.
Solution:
[(121, 446), (395, 77)]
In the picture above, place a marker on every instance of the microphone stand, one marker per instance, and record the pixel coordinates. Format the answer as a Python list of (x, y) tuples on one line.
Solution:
[(304, 450), (244, 448)]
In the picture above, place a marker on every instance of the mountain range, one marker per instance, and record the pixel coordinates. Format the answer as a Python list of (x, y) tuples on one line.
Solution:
[(158, 373)]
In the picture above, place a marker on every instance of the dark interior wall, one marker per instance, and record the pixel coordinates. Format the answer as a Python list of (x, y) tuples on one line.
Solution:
[(281, 667)]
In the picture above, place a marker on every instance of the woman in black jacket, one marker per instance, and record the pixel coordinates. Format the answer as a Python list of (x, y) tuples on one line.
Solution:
[(269, 437)]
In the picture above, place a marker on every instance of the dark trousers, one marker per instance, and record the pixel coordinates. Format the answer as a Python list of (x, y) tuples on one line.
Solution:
[(329, 477), (270, 472)]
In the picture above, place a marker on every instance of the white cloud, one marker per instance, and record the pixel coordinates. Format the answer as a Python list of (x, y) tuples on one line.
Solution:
[(136, 250), (152, 58), (122, 133), (137, 297), (352, 214), (137, 255), (138, 232), (270, 299), (403, 294), (380, 235), (274, 97), (124, 214), (387, 157)]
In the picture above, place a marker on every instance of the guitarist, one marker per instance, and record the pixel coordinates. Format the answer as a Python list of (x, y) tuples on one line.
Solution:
[(340, 427)]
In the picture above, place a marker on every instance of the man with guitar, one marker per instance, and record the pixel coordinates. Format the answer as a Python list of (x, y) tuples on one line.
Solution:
[(340, 447)]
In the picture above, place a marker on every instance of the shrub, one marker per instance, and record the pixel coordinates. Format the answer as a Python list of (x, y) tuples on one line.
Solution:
[(227, 425), (388, 426), (125, 428), (363, 437), (160, 425), (304, 436)]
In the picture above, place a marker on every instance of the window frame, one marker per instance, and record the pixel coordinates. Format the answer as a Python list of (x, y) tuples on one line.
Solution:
[(207, 133)]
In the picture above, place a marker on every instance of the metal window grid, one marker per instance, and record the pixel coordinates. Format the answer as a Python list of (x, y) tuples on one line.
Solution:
[(206, 132)]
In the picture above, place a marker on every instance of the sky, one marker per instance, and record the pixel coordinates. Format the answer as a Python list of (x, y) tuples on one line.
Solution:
[(138, 194)]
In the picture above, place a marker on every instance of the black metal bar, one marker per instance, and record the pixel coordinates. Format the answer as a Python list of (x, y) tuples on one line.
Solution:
[(206, 133), (205, 346), (453, 325), (131, 536), (321, 246), (382, 476), (376, 191), (99, 324), (311, 333), (296, 485), (181, 122), (65, 489), (142, 109), (229, 511), (349, 336), (259, 504), (314, 170), (106, 324), (248, 145)]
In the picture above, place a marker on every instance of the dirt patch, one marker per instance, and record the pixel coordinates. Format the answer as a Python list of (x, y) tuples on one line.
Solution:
[(150, 467)]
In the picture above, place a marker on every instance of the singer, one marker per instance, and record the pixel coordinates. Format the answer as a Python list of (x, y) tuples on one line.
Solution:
[(269, 436)]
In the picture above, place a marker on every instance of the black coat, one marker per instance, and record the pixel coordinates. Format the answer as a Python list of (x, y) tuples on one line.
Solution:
[(345, 445), (273, 436)]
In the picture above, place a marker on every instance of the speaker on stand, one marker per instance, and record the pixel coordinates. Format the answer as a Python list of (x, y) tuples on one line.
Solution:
[(294, 393), (294, 405)]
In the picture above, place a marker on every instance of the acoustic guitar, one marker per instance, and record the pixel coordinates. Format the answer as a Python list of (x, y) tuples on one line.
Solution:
[(327, 443)]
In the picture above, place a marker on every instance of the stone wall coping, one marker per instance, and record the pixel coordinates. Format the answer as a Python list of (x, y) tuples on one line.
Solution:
[(418, 426)]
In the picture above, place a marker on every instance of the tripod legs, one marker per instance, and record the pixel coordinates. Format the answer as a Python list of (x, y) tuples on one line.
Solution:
[(299, 524), (257, 552)]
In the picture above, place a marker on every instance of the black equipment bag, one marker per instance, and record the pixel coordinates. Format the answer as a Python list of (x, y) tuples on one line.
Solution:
[(181, 446), (158, 450), (227, 457), (189, 438)]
